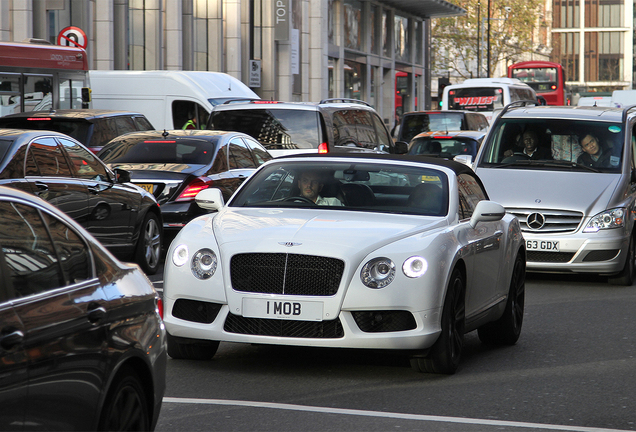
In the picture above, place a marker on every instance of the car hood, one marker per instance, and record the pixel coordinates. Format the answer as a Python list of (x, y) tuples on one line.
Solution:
[(585, 192), (336, 233)]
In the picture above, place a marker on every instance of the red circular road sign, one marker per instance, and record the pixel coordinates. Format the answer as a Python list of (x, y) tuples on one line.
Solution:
[(72, 36)]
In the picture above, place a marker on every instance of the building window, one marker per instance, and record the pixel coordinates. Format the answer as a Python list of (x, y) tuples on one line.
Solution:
[(402, 43), (353, 27), (566, 14), (419, 42), (143, 34), (566, 52), (331, 34), (256, 44), (604, 13), (386, 35), (354, 80), (604, 56), (373, 25)]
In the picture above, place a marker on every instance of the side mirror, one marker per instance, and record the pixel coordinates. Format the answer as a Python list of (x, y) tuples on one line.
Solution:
[(210, 199), (465, 159), (401, 147), (121, 175), (487, 211)]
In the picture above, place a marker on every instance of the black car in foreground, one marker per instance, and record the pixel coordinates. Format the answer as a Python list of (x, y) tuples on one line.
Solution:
[(123, 217), (82, 342), (175, 165)]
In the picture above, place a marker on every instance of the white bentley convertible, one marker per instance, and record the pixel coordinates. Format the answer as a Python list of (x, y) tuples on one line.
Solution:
[(357, 251)]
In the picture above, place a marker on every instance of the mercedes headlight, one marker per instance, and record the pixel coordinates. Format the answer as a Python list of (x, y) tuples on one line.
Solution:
[(614, 218), (378, 273), (203, 263)]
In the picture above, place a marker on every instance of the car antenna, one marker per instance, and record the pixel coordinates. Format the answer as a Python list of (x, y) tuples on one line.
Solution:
[(165, 133)]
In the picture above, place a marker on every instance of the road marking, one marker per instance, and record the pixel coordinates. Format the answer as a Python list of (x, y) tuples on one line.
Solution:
[(401, 416)]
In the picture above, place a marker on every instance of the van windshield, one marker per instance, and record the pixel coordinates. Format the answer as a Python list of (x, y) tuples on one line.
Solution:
[(476, 98), (554, 144), (276, 129)]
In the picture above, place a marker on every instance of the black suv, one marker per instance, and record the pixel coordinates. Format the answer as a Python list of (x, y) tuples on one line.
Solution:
[(332, 125), (93, 128)]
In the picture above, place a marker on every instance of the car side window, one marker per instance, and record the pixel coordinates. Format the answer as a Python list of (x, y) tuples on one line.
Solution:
[(71, 250), (260, 154), (84, 162), (124, 125), (142, 123), (31, 259), (383, 138), (470, 193), (46, 159), (240, 156), (104, 130), (220, 161)]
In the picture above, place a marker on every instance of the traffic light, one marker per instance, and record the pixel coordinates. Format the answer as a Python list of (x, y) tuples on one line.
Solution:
[(442, 82)]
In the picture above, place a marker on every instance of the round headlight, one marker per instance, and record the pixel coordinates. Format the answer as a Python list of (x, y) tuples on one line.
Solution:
[(415, 267), (180, 255), (378, 273), (203, 264)]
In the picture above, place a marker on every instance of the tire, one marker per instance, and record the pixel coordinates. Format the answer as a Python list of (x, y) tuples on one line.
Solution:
[(148, 250), (626, 276), (191, 349), (506, 330), (125, 407), (445, 354)]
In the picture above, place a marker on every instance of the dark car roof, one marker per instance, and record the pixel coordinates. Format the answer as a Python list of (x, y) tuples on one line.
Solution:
[(84, 114), (177, 133), (28, 134), (457, 167)]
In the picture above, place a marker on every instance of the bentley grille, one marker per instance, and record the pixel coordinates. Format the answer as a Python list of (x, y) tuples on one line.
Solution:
[(283, 273)]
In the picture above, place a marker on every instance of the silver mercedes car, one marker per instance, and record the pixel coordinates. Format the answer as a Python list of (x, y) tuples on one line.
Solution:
[(568, 174)]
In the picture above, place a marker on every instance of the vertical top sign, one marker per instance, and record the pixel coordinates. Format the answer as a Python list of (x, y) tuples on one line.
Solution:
[(282, 12)]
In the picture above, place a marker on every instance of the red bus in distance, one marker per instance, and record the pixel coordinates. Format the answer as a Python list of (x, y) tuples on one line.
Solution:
[(546, 78)]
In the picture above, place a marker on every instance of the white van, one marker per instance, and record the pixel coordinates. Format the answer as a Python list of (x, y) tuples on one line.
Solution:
[(169, 99), (485, 95), (623, 98)]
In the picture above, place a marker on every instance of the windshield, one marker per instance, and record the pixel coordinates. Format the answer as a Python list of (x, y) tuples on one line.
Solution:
[(414, 124), (445, 147), (555, 144), (276, 129), (191, 152), (475, 98), (377, 187), (540, 79)]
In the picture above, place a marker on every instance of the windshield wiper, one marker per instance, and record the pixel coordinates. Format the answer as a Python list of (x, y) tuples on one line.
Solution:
[(546, 162)]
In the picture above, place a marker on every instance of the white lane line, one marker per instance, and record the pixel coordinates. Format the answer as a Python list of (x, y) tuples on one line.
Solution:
[(401, 416)]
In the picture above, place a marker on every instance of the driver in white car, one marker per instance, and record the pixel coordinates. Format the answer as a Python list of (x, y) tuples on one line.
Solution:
[(310, 184)]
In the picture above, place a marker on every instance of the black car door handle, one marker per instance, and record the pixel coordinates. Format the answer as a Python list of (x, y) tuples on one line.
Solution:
[(96, 313), (10, 339)]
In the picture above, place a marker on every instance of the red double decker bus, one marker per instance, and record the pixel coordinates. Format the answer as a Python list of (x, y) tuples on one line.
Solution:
[(546, 78), (39, 76)]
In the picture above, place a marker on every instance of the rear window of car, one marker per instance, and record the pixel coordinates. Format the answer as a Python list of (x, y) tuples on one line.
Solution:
[(275, 129), (418, 123), (444, 147), (192, 152), (476, 98), (73, 128)]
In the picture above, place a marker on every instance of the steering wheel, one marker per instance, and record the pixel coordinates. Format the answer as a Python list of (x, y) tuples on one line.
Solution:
[(299, 199)]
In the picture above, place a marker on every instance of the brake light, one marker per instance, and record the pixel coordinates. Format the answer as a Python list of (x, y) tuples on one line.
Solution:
[(160, 307), (265, 102), (159, 141), (39, 118), (553, 87), (323, 148), (194, 188), (441, 137)]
